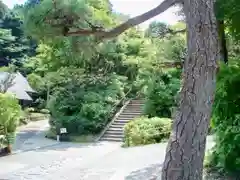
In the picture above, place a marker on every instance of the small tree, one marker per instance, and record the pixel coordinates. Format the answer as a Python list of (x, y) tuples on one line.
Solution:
[(6, 82), (9, 109), (10, 112)]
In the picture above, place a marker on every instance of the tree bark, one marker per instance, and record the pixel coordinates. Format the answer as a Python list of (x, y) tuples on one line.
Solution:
[(186, 146)]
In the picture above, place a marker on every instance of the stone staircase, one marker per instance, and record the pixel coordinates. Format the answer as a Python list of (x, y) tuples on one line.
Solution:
[(131, 110)]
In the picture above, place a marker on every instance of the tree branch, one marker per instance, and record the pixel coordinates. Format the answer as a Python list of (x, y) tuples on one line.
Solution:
[(173, 32), (166, 4), (169, 31), (172, 65)]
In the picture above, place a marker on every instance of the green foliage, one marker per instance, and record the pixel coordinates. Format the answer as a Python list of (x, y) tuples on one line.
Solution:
[(44, 111), (157, 30), (143, 131), (84, 107), (15, 47), (175, 49), (161, 93), (84, 80), (47, 20), (10, 112), (36, 82), (229, 12), (226, 119), (3, 9)]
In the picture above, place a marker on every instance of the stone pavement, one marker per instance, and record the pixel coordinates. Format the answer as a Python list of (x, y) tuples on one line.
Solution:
[(31, 136), (97, 161)]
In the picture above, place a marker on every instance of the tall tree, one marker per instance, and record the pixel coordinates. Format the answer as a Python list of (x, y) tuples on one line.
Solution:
[(3, 9), (186, 147), (14, 45), (185, 152)]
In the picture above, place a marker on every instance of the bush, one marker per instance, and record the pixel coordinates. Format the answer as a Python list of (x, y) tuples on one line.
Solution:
[(44, 111), (10, 113), (161, 94), (84, 107), (226, 120), (29, 110), (144, 130)]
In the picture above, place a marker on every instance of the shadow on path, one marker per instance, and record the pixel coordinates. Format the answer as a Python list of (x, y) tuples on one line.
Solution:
[(153, 171), (149, 173)]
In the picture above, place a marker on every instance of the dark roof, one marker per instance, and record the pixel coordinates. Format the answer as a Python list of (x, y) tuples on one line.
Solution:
[(4, 61), (20, 86)]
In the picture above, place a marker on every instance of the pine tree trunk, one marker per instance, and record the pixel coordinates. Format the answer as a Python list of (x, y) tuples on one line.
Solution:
[(186, 147)]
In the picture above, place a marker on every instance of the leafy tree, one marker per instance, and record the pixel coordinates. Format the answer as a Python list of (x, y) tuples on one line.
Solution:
[(14, 45), (225, 121), (186, 146), (10, 112), (161, 94), (3, 9), (86, 102), (228, 11)]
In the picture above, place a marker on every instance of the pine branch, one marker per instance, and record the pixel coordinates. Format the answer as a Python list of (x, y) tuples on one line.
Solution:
[(103, 34)]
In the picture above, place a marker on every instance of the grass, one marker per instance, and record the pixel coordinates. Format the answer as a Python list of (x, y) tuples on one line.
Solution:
[(82, 139), (72, 138)]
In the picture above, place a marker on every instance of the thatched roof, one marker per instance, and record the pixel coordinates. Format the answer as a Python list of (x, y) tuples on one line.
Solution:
[(19, 86)]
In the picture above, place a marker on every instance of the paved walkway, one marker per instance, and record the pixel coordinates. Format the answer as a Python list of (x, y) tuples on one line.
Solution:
[(38, 158), (31, 136), (98, 161)]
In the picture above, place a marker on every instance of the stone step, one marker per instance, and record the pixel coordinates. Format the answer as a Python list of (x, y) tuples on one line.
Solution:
[(111, 139), (126, 118), (117, 126), (134, 109), (117, 129), (137, 100), (113, 135), (135, 105), (131, 113), (128, 115), (114, 132), (121, 122)]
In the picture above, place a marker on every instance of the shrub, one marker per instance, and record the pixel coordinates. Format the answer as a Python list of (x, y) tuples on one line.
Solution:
[(44, 111), (29, 110), (161, 94), (10, 113), (226, 120), (144, 130), (84, 107)]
